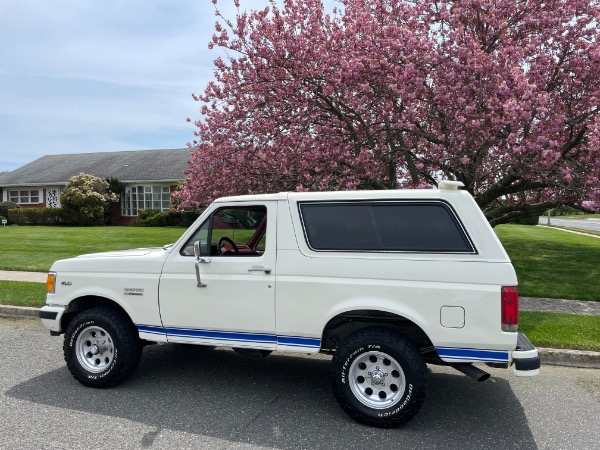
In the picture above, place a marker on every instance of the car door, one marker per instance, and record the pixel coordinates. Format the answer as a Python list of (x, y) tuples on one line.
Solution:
[(231, 301)]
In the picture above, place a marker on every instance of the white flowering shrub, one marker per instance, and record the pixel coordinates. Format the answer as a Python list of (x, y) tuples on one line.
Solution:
[(85, 200)]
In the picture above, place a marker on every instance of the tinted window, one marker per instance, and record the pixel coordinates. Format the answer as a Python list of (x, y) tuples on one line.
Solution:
[(399, 226)]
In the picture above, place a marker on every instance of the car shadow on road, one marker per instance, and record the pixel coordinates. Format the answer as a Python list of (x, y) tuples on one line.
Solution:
[(282, 402)]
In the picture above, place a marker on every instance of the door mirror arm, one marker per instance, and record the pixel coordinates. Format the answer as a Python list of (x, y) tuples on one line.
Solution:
[(199, 260)]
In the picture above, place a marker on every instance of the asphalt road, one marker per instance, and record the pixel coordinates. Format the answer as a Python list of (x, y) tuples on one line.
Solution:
[(187, 397), (585, 224)]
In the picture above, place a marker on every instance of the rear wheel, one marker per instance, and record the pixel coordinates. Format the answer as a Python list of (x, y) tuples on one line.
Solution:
[(379, 377), (101, 347)]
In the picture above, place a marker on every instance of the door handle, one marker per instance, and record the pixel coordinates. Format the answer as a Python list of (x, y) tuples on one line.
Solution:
[(259, 269)]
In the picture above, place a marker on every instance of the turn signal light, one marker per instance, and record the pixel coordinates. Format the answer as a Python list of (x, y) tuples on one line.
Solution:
[(51, 283), (510, 308)]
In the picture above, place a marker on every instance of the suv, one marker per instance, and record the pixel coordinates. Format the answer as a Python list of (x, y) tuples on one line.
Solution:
[(385, 281)]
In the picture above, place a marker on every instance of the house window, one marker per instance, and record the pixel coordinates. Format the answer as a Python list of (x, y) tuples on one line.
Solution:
[(25, 197), (146, 197)]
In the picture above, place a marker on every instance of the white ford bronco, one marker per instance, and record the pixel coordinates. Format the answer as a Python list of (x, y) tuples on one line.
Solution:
[(385, 281)]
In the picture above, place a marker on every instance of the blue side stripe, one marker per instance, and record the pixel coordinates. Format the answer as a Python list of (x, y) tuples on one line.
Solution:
[(472, 354), (299, 341), (448, 353), (261, 338)]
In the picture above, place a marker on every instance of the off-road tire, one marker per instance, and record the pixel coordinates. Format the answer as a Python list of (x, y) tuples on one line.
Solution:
[(379, 377), (101, 347)]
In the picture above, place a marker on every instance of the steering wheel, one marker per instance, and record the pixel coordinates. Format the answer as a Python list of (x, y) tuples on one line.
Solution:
[(230, 242)]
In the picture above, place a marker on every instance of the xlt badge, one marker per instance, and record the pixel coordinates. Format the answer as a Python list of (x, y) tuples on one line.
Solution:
[(133, 291)]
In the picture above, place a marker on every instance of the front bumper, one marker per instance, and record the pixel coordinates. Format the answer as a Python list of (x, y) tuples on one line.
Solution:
[(51, 317), (525, 357)]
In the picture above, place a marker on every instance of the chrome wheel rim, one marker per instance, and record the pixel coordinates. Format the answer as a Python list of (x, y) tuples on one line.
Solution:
[(95, 349), (377, 380)]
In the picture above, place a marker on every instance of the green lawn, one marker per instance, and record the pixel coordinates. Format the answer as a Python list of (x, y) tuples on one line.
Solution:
[(36, 248), (549, 263), (561, 330), (552, 263), (21, 293)]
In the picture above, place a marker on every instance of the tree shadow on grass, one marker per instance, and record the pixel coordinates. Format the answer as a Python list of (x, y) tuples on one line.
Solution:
[(282, 402)]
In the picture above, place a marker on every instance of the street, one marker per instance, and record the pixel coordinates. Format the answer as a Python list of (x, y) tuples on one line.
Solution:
[(584, 224), (190, 397)]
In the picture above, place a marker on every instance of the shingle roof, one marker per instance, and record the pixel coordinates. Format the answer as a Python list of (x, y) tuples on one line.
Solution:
[(129, 166)]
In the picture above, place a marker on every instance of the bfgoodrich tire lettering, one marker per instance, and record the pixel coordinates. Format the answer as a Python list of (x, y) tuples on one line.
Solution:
[(379, 377), (101, 347)]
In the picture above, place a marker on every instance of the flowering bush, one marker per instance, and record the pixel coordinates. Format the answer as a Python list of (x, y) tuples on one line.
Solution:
[(383, 94), (85, 199)]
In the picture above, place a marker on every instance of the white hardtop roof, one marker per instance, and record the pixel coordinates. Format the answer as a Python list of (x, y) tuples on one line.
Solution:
[(344, 195)]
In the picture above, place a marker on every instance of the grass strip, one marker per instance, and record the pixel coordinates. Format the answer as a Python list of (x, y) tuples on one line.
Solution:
[(22, 293), (552, 263), (556, 330), (579, 230)]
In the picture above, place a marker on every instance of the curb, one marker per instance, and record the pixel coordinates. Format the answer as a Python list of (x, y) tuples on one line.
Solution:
[(19, 312), (570, 358), (551, 356)]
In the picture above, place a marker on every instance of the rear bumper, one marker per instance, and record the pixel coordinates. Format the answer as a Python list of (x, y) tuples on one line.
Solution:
[(525, 357)]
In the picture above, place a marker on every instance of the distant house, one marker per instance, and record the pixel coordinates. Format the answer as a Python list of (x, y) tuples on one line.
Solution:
[(150, 176)]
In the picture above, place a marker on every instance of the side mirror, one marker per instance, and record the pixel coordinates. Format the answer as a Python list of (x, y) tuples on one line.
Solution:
[(197, 252)]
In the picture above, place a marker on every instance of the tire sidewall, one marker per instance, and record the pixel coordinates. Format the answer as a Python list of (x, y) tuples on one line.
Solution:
[(342, 382), (75, 330)]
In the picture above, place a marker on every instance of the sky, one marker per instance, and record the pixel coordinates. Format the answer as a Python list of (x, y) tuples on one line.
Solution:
[(79, 76)]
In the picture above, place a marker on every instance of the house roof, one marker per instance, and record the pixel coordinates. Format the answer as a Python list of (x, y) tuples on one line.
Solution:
[(127, 167)]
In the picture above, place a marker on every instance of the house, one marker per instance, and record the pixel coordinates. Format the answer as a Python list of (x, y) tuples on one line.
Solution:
[(150, 177)]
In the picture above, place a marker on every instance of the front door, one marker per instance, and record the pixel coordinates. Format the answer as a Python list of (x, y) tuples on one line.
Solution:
[(234, 305)]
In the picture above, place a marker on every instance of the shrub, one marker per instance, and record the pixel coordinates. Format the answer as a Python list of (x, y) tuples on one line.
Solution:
[(565, 211), (5, 206), (36, 216), (155, 218), (533, 220), (85, 200)]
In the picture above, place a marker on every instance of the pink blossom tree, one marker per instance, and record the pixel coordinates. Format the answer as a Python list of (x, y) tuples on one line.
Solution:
[(502, 95)]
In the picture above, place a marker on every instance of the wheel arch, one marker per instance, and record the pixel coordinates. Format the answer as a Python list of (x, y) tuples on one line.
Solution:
[(346, 323), (86, 302)]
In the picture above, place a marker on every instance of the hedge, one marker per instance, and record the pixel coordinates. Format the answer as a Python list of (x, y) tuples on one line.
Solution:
[(156, 218), (36, 216)]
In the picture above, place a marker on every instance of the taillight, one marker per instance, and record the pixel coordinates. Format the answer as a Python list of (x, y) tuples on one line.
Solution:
[(510, 308)]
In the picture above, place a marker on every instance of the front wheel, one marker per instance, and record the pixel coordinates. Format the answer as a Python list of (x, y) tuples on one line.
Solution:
[(101, 347), (379, 377)]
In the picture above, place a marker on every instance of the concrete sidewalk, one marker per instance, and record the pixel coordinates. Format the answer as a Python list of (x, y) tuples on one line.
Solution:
[(562, 357), (10, 275)]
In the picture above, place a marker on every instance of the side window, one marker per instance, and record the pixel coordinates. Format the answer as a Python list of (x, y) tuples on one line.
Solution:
[(430, 227), (231, 231)]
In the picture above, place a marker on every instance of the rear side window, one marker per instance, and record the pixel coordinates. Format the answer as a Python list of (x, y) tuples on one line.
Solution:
[(430, 227)]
